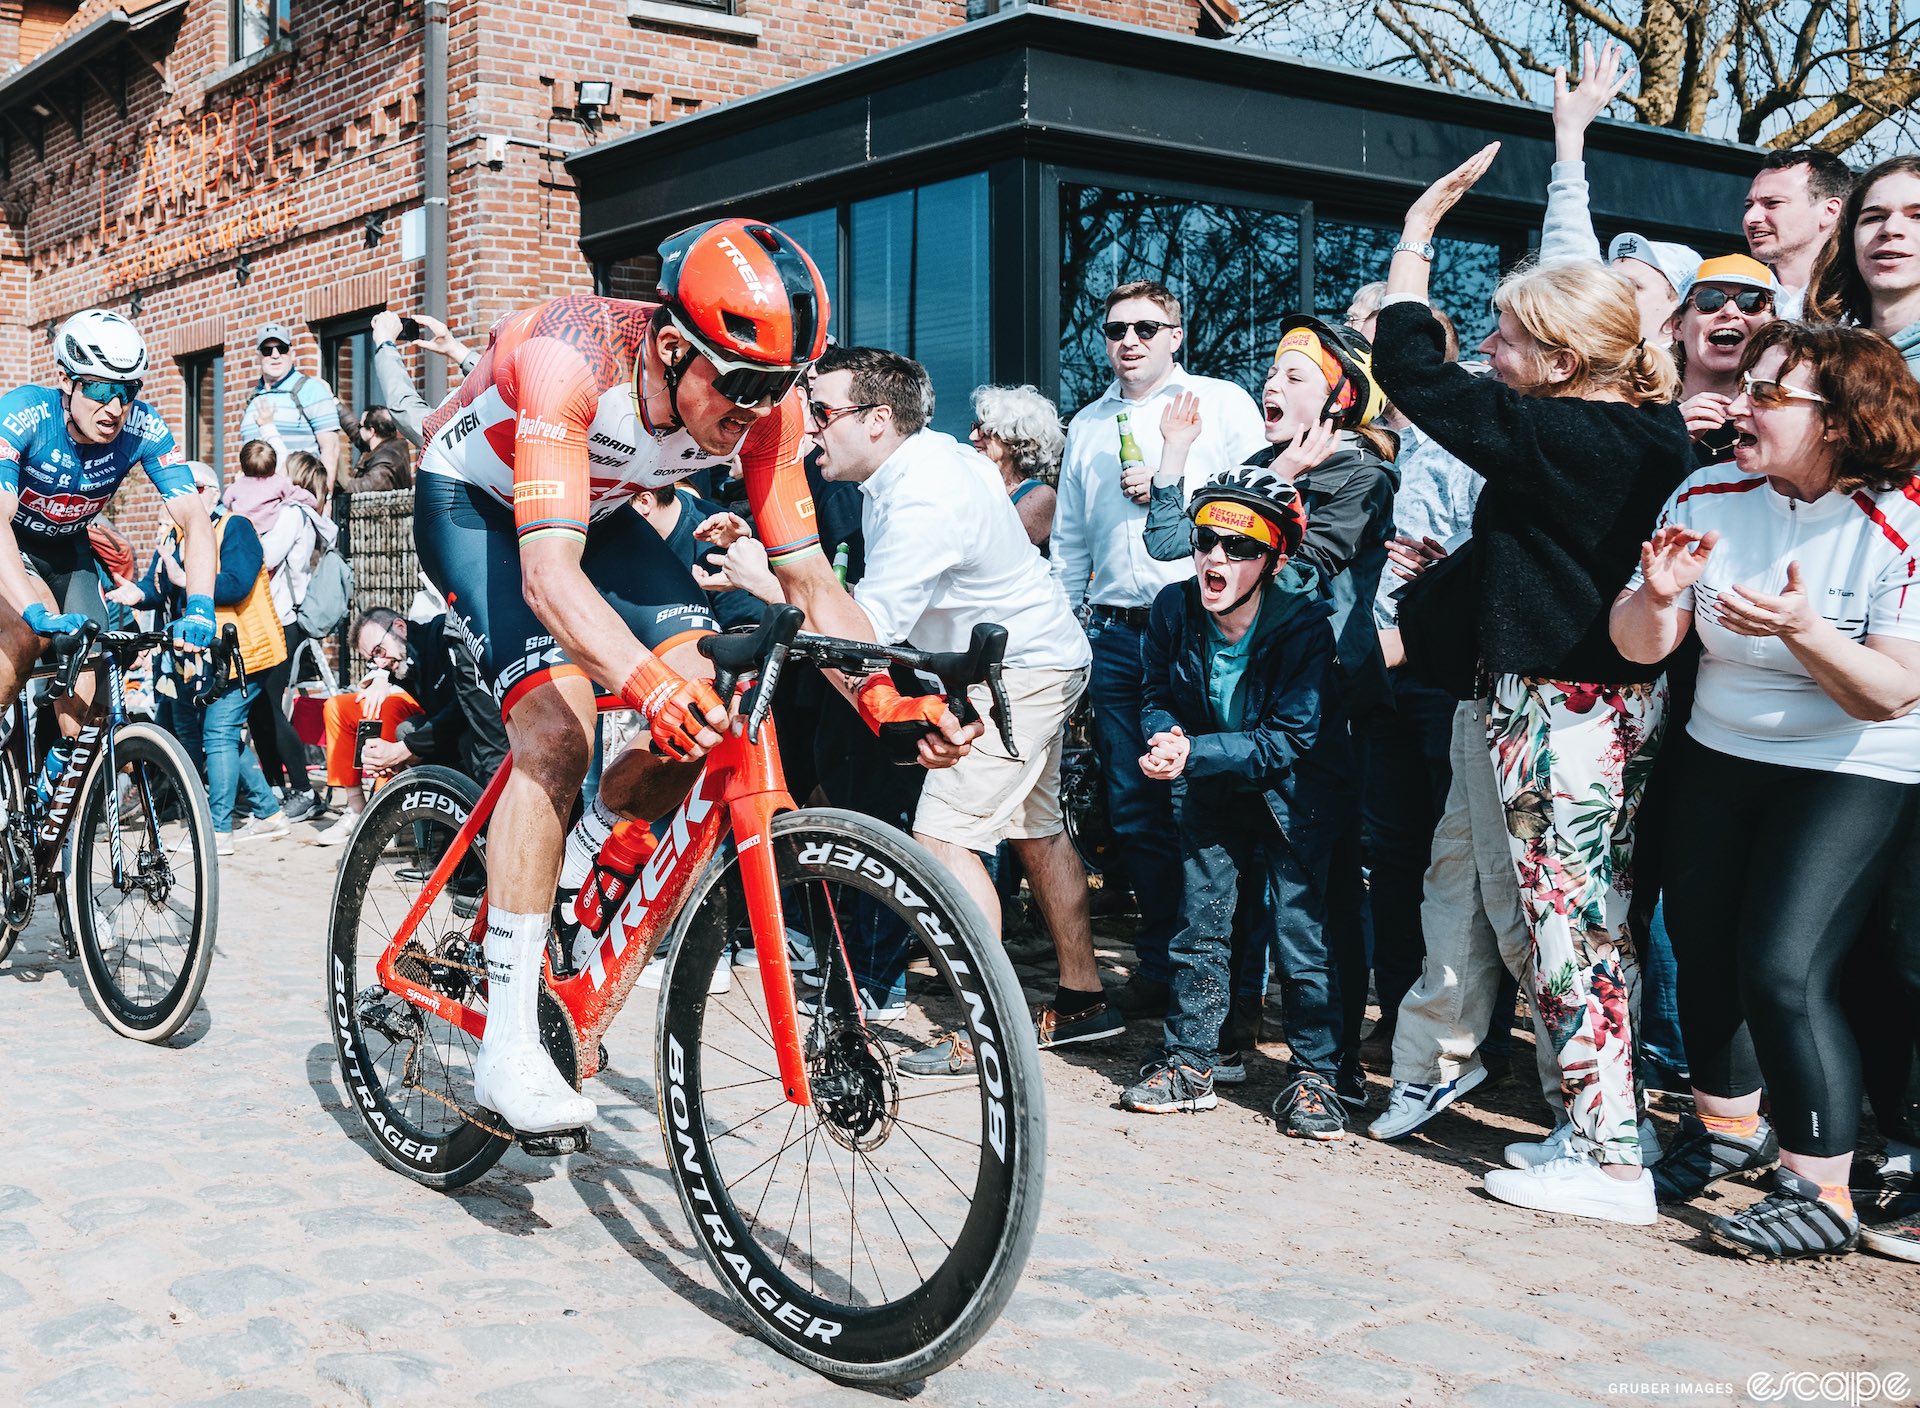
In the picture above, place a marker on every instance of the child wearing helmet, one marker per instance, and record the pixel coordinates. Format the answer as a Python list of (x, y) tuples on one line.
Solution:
[(1242, 717)]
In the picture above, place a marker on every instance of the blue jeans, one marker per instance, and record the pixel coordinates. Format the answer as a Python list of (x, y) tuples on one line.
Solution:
[(1659, 1031), (231, 765), (1140, 810)]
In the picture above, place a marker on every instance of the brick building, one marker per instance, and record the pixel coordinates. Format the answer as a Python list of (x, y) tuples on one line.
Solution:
[(207, 165)]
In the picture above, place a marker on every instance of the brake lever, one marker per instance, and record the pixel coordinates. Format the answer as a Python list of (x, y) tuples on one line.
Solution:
[(82, 642), (1002, 709), (763, 692)]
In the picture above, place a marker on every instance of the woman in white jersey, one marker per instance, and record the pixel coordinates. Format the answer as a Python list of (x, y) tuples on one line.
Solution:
[(1799, 567)]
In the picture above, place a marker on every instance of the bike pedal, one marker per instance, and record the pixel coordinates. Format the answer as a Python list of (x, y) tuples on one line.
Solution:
[(555, 1143)]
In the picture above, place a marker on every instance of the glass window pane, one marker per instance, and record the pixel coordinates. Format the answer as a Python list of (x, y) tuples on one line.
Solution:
[(1347, 257), (1236, 272), (919, 286), (818, 233)]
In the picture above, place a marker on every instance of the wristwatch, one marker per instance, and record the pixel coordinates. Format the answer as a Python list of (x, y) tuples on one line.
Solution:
[(1425, 251)]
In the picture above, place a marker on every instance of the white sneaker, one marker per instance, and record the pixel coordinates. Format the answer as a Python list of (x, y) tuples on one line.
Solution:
[(517, 1081), (1532, 1154), (263, 828), (1411, 1105), (340, 832), (1576, 1185), (1557, 1144), (223, 843), (655, 973)]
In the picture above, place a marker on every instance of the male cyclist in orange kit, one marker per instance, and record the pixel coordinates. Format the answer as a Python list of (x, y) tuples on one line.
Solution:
[(522, 521)]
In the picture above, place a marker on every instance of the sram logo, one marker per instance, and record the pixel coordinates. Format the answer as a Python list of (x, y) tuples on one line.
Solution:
[(679, 1112)]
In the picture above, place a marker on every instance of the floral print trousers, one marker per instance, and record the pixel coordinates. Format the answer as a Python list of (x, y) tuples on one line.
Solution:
[(1571, 761)]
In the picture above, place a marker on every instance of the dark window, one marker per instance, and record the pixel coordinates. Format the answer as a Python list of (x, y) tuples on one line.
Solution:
[(918, 275), (205, 375), (1235, 270), (725, 7), (818, 233), (1347, 257), (255, 24), (346, 363)]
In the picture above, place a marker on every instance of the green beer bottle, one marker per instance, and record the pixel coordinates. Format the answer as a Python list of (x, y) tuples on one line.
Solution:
[(1130, 455)]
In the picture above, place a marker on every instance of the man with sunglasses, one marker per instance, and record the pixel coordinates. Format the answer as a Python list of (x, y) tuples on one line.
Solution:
[(291, 410), (524, 524), (63, 453), (1101, 558)]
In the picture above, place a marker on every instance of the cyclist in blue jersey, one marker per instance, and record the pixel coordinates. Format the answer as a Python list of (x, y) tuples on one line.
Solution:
[(63, 453)]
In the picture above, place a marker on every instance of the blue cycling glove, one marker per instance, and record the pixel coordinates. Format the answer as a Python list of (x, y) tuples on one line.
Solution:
[(47, 624), (194, 629)]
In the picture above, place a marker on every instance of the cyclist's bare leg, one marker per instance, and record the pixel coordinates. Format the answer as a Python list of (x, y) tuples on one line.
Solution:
[(642, 784), (551, 733), (20, 647)]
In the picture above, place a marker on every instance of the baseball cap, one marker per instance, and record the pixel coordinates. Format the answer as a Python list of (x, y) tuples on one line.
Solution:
[(1675, 261), (1740, 269), (205, 476), (275, 332)]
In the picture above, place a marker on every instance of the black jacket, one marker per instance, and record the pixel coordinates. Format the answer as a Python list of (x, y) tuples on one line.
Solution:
[(1293, 750), (433, 736), (1573, 488)]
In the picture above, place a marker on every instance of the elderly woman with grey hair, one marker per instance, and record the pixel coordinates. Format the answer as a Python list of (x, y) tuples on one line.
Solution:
[(1019, 430)]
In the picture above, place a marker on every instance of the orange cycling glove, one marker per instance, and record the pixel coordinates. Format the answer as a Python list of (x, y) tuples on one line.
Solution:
[(674, 707), (882, 704)]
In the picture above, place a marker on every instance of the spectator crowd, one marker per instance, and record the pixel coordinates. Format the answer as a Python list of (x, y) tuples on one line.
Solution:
[(1582, 665)]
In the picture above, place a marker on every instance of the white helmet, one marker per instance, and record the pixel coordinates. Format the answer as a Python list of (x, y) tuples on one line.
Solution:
[(102, 344)]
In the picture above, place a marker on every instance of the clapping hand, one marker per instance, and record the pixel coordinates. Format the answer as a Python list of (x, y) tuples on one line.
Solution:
[(1166, 755), (1180, 421), (1425, 214), (1747, 612), (1673, 560)]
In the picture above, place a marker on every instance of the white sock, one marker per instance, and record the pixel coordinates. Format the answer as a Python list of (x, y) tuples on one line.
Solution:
[(516, 945), (1901, 1158), (589, 834)]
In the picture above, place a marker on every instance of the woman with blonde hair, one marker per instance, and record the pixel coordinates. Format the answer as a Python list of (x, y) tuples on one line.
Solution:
[(1019, 430), (1579, 442), (310, 474)]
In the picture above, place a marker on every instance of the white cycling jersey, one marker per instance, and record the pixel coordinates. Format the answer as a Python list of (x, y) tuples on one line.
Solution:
[(1859, 557)]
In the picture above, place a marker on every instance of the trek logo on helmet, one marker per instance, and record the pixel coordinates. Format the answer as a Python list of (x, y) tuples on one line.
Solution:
[(748, 273)]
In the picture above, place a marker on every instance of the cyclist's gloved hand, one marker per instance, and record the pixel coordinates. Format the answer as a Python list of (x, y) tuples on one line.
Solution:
[(194, 629), (676, 709), (46, 623), (901, 721)]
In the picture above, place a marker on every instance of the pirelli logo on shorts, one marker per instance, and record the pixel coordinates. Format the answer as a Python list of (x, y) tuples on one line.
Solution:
[(533, 491)]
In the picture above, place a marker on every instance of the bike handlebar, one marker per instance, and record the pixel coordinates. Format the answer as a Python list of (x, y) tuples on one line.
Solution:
[(765, 650), (74, 652)]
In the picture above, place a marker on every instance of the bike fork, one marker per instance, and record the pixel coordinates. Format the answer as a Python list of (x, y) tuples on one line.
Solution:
[(752, 827)]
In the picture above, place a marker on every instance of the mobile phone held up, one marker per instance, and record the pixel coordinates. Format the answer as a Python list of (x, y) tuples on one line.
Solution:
[(409, 330)]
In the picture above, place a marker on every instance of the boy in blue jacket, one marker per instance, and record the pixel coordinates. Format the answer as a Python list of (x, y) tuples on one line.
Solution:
[(1241, 716)]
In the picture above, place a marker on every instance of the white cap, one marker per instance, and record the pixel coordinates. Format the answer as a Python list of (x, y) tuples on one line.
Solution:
[(205, 476), (1676, 262)]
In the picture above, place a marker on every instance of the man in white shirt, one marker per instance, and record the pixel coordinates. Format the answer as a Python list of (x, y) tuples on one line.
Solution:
[(946, 551), (1101, 559), (1791, 205)]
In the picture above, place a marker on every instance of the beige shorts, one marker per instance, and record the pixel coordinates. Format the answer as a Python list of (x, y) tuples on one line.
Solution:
[(989, 797)]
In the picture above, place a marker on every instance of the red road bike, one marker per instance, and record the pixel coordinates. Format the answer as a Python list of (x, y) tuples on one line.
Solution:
[(871, 1223)]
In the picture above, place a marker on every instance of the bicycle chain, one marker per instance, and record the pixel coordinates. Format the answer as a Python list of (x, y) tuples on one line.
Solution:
[(407, 1080)]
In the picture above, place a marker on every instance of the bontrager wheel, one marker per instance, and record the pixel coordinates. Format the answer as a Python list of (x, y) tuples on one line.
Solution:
[(146, 938), (408, 1074), (875, 1235)]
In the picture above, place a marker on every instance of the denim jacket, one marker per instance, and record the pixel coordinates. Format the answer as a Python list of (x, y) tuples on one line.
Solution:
[(1293, 750)]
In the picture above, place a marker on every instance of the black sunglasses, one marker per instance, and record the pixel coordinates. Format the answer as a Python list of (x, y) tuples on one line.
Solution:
[(1147, 328), (1236, 546), (274, 349), (1747, 300), (751, 386)]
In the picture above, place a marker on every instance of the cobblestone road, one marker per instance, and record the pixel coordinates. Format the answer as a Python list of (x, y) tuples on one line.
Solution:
[(202, 1223)]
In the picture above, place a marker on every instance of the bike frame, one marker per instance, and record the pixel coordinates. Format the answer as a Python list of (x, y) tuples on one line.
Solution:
[(102, 721), (740, 787)]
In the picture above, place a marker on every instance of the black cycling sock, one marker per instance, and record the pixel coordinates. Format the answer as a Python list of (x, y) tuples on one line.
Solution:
[(1069, 1003)]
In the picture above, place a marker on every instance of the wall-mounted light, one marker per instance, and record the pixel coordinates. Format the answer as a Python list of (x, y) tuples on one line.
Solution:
[(243, 269), (40, 109), (376, 227), (136, 303), (590, 97)]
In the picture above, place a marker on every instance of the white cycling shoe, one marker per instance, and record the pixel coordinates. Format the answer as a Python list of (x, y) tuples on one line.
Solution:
[(518, 1081)]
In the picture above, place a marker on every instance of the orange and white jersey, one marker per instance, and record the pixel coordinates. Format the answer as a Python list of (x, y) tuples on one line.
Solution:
[(547, 424)]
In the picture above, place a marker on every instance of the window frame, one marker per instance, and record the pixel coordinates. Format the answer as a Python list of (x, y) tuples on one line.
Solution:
[(213, 362), (279, 25)]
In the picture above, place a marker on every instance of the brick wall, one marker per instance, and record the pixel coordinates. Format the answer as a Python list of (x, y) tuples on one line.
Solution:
[(279, 161)]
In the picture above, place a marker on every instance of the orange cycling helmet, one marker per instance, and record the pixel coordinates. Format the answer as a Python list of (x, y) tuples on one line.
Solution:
[(750, 300)]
